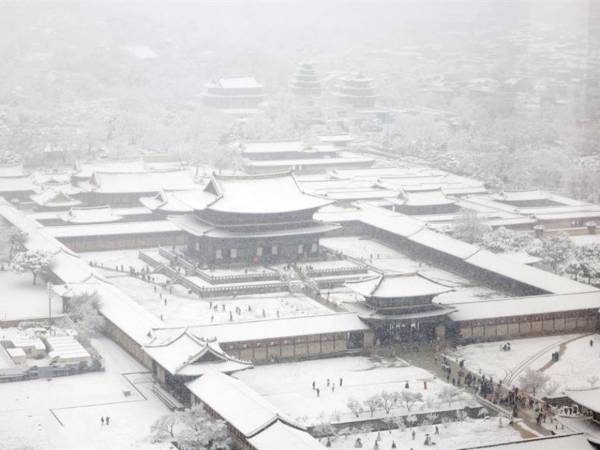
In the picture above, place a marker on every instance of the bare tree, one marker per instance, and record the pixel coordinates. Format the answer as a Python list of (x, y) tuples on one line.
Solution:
[(449, 394), (373, 403), (408, 399), (389, 400), (354, 406), (533, 380)]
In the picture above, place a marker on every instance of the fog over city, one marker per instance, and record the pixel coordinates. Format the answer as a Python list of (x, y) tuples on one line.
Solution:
[(293, 225)]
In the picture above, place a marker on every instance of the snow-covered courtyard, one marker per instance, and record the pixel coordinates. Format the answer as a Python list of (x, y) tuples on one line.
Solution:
[(64, 413), (451, 435), (178, 307), (578, 360), (21, 299), (289, 387)]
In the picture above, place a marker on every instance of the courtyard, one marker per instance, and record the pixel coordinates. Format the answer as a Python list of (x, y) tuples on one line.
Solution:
[(289, 387), (64, 413), (577, 357), (177, 306)]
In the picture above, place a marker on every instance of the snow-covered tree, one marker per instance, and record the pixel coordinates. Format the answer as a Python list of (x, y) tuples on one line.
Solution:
[(556, 251), (411, 420), (449, 394), (504, 240), (408, 398), (16, 241), (373, 403), (33, 261), (468, 227), (84, 311), (593, 380), (585, 264), (163, 428), (354, 406), (389, 400), (533, 380), (324, 428), (195, 428)]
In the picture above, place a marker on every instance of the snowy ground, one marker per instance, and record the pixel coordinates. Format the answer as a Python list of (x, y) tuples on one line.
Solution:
[(246, 270), (20, 299), (116, 258), (183, 308), (65, 413), (577, 362), (388, 259), (451, 436), (289, 386)]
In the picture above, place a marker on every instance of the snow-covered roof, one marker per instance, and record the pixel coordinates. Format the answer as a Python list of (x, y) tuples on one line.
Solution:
[(424, 197), (259, 147), (390, 221), (443, 243), (11, 170), (523, 306), (237, 83), (143, 182), (239, 405), (189, 355), (125, 313), (414, 231), (66, 348), (273, 329), (117, 228), (261, 194), (86, 170), (521, 196), (192, 225), (397, 286), (16, 184), (291, 163), (338, 138), (179, 201), (589, 398), (531, 276), (94, 214), (522, 257), (54, 198), (559, 442), (280, 435)]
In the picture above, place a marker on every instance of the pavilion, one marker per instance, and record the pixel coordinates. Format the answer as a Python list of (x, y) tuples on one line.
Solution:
[(399, 307), (418, 201), (253, 219), (357, 91), (305, 80), (182, 357), (234, 93)]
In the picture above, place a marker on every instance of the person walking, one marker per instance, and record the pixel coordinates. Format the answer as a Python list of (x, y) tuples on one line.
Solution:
[(107, 420), (318, 392), (102, 421), (341, 381)]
